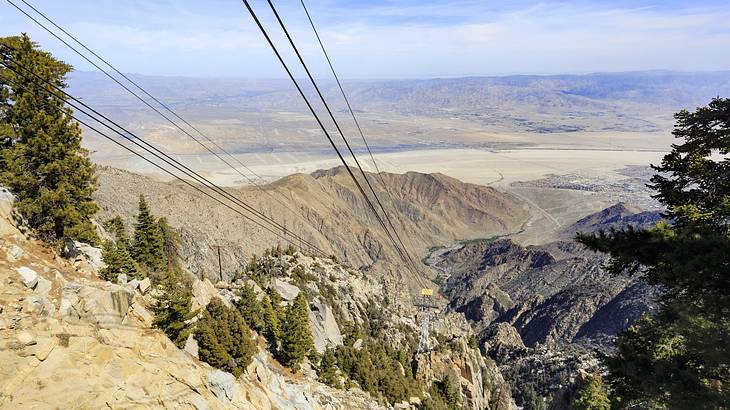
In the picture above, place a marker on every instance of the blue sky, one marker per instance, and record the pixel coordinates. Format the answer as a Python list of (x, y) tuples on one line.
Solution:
[(393, 39)]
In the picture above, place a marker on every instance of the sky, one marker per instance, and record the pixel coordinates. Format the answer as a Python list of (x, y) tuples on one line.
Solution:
[(390, 39)]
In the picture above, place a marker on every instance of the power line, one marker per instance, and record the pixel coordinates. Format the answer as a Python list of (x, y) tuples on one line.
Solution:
[(163, 156), (337, 126), (163, 105), (321, 125), (352, 114)]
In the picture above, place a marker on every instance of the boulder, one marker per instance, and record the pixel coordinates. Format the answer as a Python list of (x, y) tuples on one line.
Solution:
[(106, 306), (287, 291), (15, 253), (132, 284), (191, 346), (43, 286), (222, 384), (30, 277), (257, 289), (144, 286), (26, 339), (40, 305), (203, 291), (325, 330), (74, 249), (142, 314)]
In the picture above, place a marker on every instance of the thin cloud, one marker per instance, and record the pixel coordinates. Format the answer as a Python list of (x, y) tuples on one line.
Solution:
[(398, 39)]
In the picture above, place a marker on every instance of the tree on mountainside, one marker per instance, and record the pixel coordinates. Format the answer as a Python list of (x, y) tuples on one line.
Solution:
[(170, 244), (148, 248), (224, 339), (591, 395), (41, 158), (250, 308), (296, 333), (272, 330), (118, 261), (327, 370), (679, 358), (116, 227), (173, 307)]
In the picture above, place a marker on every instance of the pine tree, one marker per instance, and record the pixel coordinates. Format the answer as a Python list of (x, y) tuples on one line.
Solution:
[(148, 248), (296, 333), (118, 261), (118, 229), (271, 331), (250, 308), (173, 308), (210, 350), (679, 358), (328, 369), (591, 395), (224, 339), (41, 158), (170, 243)]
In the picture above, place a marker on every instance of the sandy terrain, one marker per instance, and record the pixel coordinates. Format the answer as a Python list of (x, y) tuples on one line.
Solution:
[(538, 156)]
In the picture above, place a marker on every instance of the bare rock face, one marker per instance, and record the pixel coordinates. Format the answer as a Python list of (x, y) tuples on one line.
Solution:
[(500, 339), (287, 291), (105, 306), (325, 330), (479, 379), (223, 385), (549, 293)]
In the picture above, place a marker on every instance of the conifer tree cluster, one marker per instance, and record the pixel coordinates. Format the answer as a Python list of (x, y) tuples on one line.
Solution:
[(173, 307), (224, 338), (272, 312), (296, 333), (153, 249), (377, 367), (249, 307), (41, 158)]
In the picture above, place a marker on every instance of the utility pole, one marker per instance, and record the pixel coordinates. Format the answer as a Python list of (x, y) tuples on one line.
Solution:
[(220, 265)]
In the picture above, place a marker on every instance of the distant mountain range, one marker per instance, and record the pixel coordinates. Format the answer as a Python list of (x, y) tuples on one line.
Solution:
[(628, 101)]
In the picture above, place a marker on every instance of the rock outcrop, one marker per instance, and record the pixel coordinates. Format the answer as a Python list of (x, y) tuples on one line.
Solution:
[(91, 345)]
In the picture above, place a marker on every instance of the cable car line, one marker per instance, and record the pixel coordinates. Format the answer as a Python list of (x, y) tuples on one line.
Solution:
[(321, 125), (352, 114), (168, 159), (166, 107), (337, 126)]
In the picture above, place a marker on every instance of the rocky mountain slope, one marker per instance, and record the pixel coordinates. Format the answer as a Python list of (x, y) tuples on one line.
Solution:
[(552, 294), (427, 209), (72, 340), (540, 311)]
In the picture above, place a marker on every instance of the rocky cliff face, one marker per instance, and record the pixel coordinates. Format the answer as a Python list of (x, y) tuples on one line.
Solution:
[(553, 294), (543, 309), (70, 340)]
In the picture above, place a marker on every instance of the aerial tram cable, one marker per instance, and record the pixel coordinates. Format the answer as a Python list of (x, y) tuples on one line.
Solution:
[(321, 125), (352, 114), (155, 99), (337, 126), (185, 181), (169, 160)]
